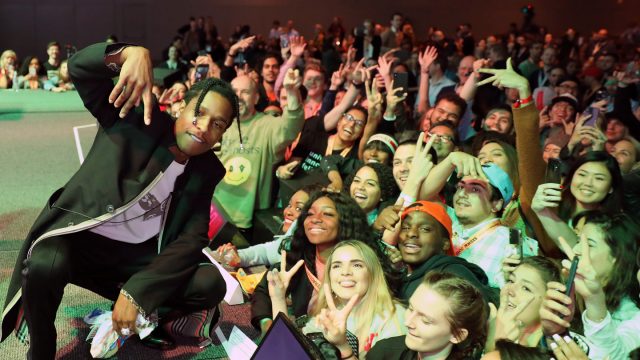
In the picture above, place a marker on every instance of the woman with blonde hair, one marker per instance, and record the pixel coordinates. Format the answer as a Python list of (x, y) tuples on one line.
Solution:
[(355, 302)]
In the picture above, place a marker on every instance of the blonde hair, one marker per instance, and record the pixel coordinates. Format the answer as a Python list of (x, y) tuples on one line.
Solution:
[(377, 300), (5, 55)]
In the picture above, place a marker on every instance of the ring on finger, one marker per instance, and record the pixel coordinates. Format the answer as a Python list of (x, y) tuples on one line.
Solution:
[(125, 331)]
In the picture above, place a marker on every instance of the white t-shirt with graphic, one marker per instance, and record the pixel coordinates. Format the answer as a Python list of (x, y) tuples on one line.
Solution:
[(143, 220)]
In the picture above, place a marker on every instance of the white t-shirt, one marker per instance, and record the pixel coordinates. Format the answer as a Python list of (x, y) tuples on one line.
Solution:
[(143, 219)]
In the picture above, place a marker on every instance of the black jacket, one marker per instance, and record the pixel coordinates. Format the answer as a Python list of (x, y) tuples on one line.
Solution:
[(126, 159), (391, 349), (450, 264)]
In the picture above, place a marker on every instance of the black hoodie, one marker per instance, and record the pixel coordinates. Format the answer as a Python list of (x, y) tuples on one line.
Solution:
[(454, 265)]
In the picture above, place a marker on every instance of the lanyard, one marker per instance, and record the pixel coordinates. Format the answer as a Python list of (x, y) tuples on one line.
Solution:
[(477, 236), (312, 279), (331, 142)]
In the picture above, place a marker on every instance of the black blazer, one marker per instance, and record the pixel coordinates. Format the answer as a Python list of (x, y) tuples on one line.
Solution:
[(126, 158)]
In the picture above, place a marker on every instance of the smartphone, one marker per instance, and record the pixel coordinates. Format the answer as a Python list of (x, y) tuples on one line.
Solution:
[(514, 240), (554, 171), (401, 80), (201, 72), (594, 116), (572, 276), (202, 53), (32, 71), (284, 41)]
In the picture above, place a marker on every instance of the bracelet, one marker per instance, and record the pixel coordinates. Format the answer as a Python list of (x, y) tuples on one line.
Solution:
[(521, 102), (389, 118)]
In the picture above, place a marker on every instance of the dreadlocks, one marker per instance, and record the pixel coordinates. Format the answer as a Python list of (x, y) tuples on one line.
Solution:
[(200, 90)]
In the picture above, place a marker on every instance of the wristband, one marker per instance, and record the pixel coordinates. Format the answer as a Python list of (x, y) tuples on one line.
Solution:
[(389, 118), (521, 102)]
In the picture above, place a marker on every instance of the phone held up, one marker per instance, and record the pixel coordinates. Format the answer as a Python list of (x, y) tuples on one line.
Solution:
[(401, 80), (553, 173), (201, 72)]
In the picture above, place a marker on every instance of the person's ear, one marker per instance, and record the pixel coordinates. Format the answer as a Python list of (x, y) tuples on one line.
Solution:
[(462, 336), (446, 244), (497, 205)]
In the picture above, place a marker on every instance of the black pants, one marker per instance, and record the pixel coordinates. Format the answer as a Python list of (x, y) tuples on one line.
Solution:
[(101, 265)]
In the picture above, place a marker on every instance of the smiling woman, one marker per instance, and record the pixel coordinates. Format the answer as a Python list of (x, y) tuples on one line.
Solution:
[(353, 270), (373, 188), (326, 220)]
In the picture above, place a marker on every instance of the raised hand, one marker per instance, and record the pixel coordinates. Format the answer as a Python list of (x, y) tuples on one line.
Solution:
[(421, 164), (466, 165), (374, 97), (509, 264), (547, 195), (279, 280), (427, 58), (337, 78), (292, 79), (241, 45), (332, 321), (135, 82), (297, 45), (586, 281), (394, 97), (507, 78), (557, 309)]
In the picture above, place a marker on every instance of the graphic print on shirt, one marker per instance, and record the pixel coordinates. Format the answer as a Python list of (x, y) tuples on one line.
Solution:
[(151, 206), (238, 170)]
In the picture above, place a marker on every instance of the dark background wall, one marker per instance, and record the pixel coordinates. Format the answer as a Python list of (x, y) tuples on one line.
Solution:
[(27, 25)]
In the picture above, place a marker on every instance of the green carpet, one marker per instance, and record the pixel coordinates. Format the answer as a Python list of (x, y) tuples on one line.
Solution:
[(39, 154)]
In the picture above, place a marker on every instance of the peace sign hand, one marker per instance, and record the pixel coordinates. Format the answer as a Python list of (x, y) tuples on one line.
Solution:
[(586, 282), (508, 326), (333, 322), (505, 78), (422, 164), (279, 280)]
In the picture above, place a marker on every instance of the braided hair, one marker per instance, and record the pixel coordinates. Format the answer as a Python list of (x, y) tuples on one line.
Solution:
[(200, 90)]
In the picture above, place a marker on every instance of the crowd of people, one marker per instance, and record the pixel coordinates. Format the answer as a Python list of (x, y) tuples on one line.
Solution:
[(435, 190)]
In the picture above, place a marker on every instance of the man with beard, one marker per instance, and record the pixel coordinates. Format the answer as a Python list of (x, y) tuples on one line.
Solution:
[(250, 161), (269, 73)]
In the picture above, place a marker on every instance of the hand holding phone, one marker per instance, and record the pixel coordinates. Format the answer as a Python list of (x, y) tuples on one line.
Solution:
[(572, 276), (401, 80), (554, 171), (201, 72)]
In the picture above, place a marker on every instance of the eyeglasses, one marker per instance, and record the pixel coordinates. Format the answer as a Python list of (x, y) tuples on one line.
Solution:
[(440, 138), (351, 118)]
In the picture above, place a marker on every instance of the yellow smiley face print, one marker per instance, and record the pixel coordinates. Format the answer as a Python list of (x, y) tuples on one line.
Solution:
[(238, 171)]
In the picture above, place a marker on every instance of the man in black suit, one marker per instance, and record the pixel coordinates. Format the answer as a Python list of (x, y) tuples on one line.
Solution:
[(132, 221)]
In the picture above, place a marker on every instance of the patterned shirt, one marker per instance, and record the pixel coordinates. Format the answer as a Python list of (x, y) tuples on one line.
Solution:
[(490, 249)]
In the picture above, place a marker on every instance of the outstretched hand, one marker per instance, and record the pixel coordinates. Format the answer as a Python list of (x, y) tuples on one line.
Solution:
[(297, 45), (505, 78), (332, 321), (427, 58), (279, 280), (135, 82)]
